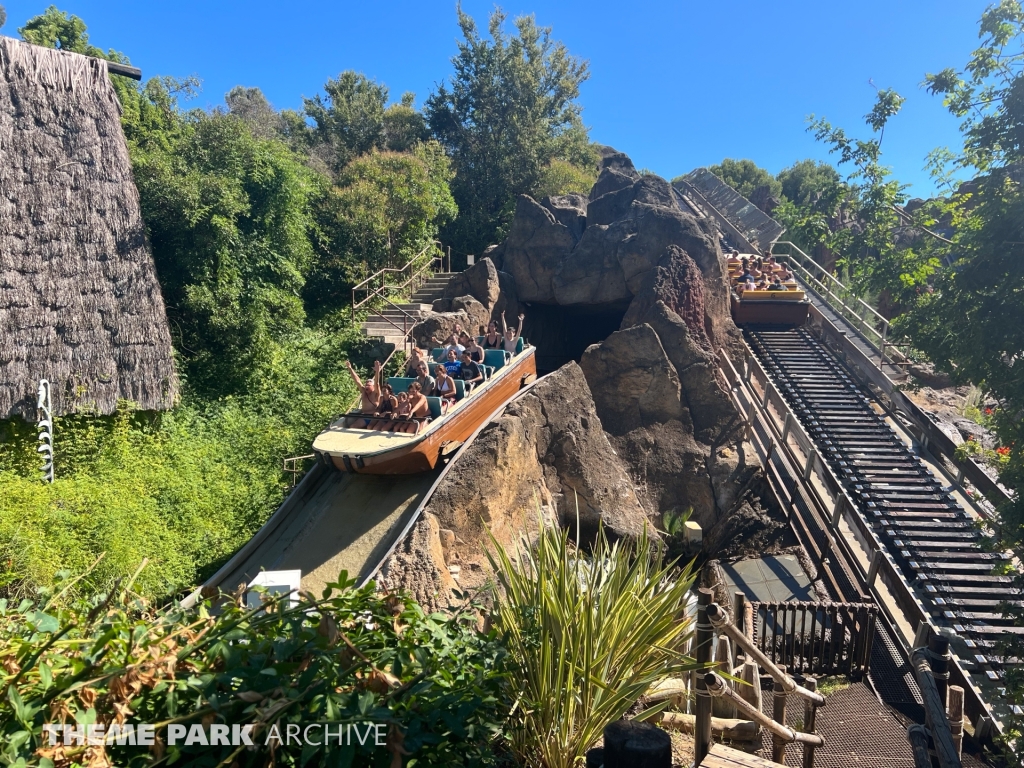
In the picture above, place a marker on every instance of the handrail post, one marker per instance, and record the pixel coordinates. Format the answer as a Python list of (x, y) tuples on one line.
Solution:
[(810, 718), (934, 709), (779, 697), (702, 652)]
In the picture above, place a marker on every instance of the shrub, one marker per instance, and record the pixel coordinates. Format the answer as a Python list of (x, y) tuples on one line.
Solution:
[(354, 656), (587, 637)]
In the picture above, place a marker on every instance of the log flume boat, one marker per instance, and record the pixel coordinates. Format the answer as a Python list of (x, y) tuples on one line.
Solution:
[(789, 306), (349, 446)]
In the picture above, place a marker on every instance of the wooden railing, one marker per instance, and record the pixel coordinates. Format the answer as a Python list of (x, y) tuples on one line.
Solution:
[(397, 280), (817, 638), (817, 504)]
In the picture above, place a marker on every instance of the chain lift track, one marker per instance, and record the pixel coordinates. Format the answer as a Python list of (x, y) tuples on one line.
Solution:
[(936, 544)]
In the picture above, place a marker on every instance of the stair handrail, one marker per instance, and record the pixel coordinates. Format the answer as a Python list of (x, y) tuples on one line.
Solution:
[(834, 299), (416, 268)]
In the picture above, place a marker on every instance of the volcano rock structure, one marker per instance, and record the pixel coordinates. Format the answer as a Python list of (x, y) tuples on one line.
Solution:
[(635, 289)]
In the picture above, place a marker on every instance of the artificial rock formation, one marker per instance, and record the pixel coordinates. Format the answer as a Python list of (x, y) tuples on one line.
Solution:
[(546, 457), (669, 436)]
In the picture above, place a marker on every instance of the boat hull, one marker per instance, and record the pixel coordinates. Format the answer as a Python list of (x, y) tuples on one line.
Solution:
[(423, 455), (768, 312)]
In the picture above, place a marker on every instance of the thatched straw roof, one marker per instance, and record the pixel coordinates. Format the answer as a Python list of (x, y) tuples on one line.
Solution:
[(80, 304)]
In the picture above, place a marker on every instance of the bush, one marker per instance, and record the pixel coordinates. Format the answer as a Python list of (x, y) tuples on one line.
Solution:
[(183, 489), (436, 683), (587, 637)]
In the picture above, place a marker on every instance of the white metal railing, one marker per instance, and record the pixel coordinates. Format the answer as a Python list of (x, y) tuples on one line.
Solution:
[(842, 299)]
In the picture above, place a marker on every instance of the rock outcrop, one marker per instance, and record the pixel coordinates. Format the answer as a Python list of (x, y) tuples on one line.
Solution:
[(641, 427), (546, 457), (493, 289)]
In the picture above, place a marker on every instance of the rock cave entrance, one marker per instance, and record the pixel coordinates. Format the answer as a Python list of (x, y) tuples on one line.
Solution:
[(562, 333)]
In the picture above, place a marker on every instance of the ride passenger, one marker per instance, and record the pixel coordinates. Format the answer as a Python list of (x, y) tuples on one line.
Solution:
[(511, 337), (777, 285), (452, 364), (444, 386), (492, 339), (784, 272), (471, 373), (413, 365), (423, 378), (402, 414), (369, 395), (419, 408), (453, 344), (385, 409), (476, 352)]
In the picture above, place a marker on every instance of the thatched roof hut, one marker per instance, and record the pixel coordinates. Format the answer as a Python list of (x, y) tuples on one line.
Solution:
[(80, 304)]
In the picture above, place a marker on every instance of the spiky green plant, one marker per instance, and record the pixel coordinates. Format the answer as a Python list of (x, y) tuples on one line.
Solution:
[(588, 635)]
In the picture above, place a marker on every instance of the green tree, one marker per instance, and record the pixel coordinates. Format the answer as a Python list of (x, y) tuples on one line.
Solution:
[(875, 257), (58, 29), (350, 116), (510, 109), (810, 183), (812, 196), (404, 125), (228, 219), (745, 176), (3, 16), (385, 208), (971, 324)]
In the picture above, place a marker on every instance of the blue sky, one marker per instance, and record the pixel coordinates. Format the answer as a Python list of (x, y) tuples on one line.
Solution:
[(676, 85)]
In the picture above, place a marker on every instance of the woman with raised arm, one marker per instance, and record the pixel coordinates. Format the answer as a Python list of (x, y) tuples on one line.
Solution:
[(385, 408), (511, 337)]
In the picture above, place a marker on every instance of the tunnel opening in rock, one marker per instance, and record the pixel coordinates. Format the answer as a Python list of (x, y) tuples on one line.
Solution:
[(562, 333)]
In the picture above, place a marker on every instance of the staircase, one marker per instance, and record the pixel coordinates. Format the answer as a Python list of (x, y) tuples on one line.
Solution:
[(387, 323)]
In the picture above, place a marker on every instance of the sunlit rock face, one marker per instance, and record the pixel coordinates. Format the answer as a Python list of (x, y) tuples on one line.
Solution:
[(634, 289)]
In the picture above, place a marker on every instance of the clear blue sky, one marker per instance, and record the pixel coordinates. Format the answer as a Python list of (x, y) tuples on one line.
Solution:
[(676, 85)]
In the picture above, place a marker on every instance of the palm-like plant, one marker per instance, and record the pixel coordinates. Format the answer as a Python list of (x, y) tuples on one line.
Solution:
[(588, 635)]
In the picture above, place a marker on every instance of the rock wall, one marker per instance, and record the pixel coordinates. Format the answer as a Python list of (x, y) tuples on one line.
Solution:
[(641, 427), (544, 458)]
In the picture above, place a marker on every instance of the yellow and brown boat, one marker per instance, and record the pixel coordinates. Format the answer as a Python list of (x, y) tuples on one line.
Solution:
[(771, 307), (351, 447)]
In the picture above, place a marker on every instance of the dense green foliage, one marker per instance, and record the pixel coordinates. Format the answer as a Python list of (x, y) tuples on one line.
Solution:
[(260, 223), (182, 489), (257, 241), (507, 117), (587, 635), (386, 209), (436, 685), (745, 176), (971, 324)]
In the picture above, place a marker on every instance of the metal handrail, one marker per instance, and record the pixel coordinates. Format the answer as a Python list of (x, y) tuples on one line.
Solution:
[(882, 567), (835, 299), (416, 266)]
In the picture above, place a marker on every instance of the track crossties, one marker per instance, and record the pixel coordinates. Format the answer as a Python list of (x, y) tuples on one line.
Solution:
[(933, 540)]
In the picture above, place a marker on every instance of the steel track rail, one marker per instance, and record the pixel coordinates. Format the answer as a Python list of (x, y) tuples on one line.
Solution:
[(934, 542)]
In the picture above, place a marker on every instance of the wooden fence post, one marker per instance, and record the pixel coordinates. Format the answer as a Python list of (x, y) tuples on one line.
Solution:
[(810, 717), (739, 618), (956, 717), (779, 716)]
